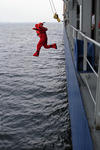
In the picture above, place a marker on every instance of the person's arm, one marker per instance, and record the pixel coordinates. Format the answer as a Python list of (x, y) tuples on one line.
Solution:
[(34, 28), (43, 28)]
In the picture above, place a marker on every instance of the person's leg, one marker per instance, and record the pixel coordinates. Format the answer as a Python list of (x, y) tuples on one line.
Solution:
[(49, 46), (39, 45)]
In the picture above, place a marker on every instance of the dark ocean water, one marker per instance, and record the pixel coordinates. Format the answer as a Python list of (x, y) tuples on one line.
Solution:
[(33, 96)]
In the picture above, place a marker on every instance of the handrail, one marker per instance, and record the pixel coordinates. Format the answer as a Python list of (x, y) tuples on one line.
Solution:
[(98, 44), (90, 91), (93, 41), (96, 101), (91, 67), (86, 37)]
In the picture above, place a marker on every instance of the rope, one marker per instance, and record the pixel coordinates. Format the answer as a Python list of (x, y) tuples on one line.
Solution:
[(55, 15), (52, 6)]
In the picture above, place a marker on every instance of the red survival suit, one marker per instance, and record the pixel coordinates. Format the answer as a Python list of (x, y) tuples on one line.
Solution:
[(41, 32)]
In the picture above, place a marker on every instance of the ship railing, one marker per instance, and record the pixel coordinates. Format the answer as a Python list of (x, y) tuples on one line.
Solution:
[(95, 100)]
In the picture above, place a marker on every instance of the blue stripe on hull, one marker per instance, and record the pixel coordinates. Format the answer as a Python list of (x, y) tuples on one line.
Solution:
[(81, 139)]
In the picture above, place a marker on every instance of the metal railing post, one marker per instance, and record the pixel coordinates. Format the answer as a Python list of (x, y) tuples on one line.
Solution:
[(78, 35), (80, 17), (97, 111), (85, 55), (73, 33)]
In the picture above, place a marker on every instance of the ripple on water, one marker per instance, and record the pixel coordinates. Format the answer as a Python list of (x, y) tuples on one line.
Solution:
[(33, 97)]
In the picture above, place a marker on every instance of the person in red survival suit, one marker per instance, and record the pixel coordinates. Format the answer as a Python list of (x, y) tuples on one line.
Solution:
[(41, 32)]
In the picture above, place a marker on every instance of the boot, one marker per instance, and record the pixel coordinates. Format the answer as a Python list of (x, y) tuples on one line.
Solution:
[(36, 53), (54, 46)]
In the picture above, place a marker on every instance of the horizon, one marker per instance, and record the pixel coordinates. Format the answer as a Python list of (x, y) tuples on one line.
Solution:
[(29, 22)]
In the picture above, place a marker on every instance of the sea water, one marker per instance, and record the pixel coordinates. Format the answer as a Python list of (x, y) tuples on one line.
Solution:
[(33, 96)]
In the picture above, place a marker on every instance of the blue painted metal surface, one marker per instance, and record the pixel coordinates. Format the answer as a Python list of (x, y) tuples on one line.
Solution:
[(78, 55), (81, 138)]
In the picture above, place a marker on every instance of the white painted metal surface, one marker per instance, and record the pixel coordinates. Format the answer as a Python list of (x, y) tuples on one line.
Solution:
[(80, 17)]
